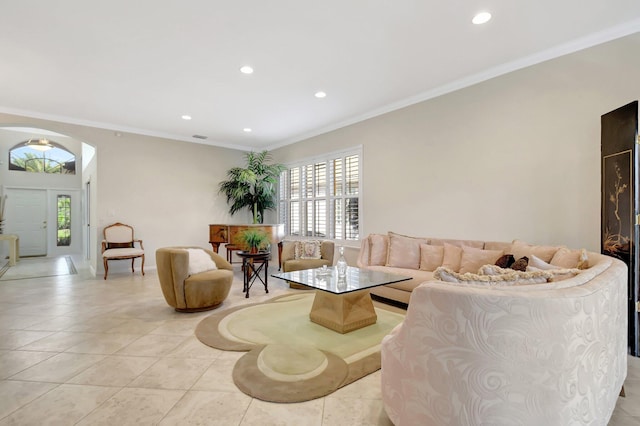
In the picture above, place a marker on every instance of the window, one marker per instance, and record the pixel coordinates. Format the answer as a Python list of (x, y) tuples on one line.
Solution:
[(321, 198), (42, 157), (64, 221)]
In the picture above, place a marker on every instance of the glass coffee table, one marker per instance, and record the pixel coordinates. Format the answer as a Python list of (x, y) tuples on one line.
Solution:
[(342, 304)]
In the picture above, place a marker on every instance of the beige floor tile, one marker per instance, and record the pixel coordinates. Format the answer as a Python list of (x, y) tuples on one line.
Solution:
[(630, 405), (218, 377), (178, 327), (41, 309), (59, 368), (19, 338), (136, 326), (5, 306), (151, 308), (208, 408), (59, 341), (14, 362), (97, 325), (172, 373), (261, 413), (194, 348), (367, 388), (633, 368), (63, 405), (622, 420), (114, 370), (103, 343), (135, 407), (20, 322), (15, 394), (152, 345), (55, 324), (351, 411), (129, 304)]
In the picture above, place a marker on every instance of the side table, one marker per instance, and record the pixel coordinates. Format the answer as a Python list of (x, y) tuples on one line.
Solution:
[(14, 247), (251, 272)]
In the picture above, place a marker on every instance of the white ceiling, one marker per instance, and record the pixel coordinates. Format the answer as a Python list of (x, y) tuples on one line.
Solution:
[(137, 66)]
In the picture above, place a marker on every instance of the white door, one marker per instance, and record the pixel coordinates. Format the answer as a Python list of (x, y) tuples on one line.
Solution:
[(26, 211)]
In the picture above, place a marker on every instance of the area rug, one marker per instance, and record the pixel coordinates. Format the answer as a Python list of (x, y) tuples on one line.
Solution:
[(38, 267), (289, 358)]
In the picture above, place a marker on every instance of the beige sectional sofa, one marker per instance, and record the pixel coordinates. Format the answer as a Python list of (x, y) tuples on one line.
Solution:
[(546, 347), (401, 254), (420, 258)]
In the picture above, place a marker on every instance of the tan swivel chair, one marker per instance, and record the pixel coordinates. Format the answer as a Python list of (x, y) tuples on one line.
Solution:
[(118, 244), (288, 262), (192, 293)]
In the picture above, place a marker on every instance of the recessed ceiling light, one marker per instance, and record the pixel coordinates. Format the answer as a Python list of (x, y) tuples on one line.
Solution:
[(320, 95), (186, 117), (246, 70), (247, 130), (481, 18)]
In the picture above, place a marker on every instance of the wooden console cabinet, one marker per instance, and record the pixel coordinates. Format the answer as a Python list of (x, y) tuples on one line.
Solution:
[(227, 234)]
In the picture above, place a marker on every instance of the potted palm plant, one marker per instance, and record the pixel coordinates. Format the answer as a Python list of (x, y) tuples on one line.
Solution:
[(253, 240), (252, 187)]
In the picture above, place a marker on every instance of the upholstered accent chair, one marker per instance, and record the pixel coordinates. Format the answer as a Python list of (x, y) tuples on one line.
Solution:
[(290, 262), (190, 289), (118, 244)]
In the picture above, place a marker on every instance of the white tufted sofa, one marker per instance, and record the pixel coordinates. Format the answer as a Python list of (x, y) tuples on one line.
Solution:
[(541, 354)]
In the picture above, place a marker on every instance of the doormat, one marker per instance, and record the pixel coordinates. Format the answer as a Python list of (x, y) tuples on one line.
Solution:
[(38, 267)]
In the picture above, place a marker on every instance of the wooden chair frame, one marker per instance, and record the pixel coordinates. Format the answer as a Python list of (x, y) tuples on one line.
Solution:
[(121, 244)]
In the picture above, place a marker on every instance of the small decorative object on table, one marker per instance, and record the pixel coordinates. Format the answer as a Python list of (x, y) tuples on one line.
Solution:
[(341, 264), (323, 271)]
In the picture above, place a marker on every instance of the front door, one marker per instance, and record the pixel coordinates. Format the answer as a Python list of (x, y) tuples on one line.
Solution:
[(26, 211), (620, 212)]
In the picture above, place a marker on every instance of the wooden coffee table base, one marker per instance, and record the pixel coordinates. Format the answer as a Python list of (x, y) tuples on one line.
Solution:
[(343, 312)]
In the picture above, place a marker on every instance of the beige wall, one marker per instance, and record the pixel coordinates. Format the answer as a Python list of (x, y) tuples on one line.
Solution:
[(168, 190), (517, 156), (513, 157)]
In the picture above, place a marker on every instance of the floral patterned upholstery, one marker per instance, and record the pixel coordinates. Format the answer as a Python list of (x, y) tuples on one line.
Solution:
[(541, 354)]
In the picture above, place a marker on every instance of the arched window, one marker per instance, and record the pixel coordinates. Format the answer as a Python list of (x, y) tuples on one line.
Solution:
[(42, 156)]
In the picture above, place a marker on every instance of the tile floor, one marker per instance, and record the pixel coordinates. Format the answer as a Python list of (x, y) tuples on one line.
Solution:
[(78, 350)]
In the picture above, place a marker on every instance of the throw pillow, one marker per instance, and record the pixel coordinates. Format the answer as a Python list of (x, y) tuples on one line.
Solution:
[(431, 257), (473, 258), (200, 261), (378, 249), (308, 249), (521, 249), (509, 278), (404, 252), (566, 258), (520, 264), (452, 257), (536, 262), (505, 260)]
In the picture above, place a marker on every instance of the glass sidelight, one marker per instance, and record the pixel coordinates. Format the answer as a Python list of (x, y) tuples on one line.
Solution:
[(64, 221)]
